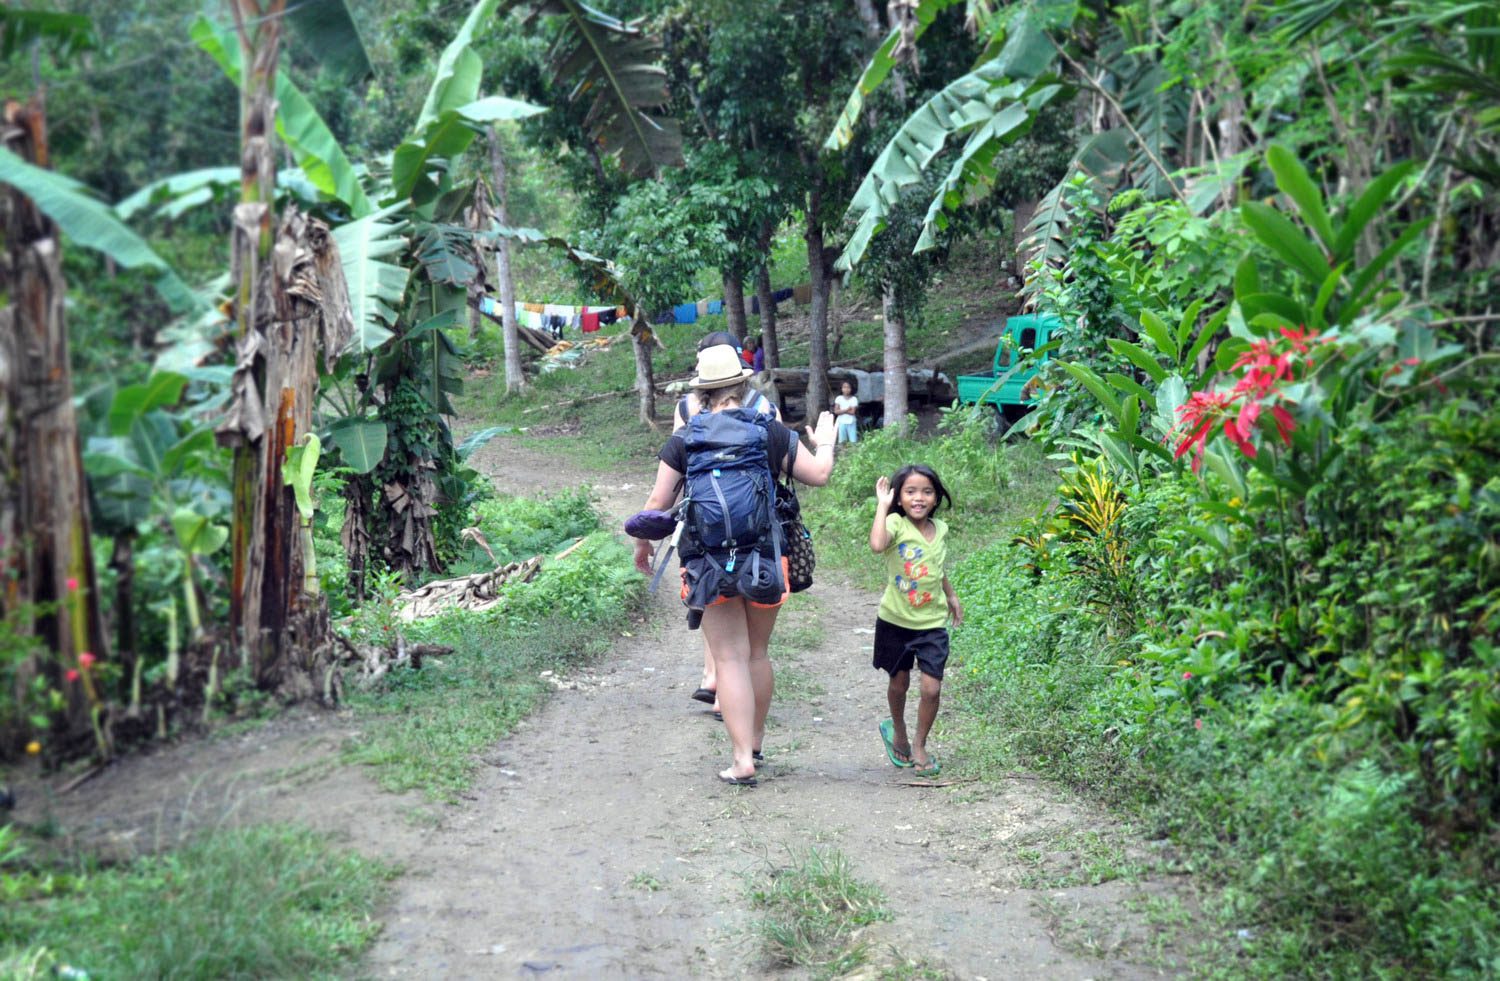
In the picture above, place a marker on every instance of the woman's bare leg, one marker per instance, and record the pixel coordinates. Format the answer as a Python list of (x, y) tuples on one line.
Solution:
[(726, 630), (762, 677)]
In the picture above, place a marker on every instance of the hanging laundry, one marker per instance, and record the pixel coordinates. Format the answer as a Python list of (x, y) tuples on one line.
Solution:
[(534, 307), (665, 317), (609, 316), (685, 313), (486, 305), (802, 294), (702, 308), (781, 296), (591, 322), (715, 306)]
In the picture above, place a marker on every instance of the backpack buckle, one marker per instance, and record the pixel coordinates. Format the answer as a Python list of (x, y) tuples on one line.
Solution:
[(729, 567)]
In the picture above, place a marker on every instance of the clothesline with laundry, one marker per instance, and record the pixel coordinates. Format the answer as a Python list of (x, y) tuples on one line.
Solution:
[(556, 317)]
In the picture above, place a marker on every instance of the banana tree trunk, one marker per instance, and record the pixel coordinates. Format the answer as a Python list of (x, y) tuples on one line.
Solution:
[(49, 585), (290, 305), (896, 401)]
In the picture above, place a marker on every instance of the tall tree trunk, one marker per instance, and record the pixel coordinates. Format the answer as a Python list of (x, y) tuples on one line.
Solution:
[(896, 402), (291, 304), (734, 304), (515, 378), (817, 318), (768, 344), (641, 340), (44, 519)]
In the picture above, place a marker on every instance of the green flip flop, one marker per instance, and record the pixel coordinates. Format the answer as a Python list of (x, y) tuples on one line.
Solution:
[(932, 769), (888, 736)]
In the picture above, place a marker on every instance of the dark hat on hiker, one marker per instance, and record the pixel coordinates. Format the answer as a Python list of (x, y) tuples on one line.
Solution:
[(719, 367), (719, 337)]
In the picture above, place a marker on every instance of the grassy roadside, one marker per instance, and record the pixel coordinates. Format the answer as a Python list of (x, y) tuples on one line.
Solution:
[(251, 902)]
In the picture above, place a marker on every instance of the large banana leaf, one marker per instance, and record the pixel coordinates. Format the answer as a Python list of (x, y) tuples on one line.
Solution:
[(20, 28), (328, 27), (174, 196), (375, 285), (975, 165), (877, 70), (92, 223), (446, 136), (979, 102), (1103, 157), (459, 69), (306, 135), (614, 64)]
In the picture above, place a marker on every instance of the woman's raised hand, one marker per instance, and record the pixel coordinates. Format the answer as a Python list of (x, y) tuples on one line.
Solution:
[(885, 494), (822, 433)]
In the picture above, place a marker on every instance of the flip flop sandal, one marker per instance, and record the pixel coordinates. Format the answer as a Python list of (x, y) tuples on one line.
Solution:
[(739, 781), (888, 736), (932, 769), (704, 695)]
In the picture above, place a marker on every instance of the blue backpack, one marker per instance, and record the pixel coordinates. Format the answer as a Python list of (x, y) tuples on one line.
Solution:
[(731, 492)]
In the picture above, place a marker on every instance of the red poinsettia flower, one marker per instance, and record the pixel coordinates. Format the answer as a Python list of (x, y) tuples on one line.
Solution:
[(1285, 424), (1198, 416), (1300, 338)]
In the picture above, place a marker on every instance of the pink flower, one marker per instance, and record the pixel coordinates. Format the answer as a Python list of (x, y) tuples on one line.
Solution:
[(72, 585), (86, 660), (1197, 723), (71, 674), (1187, 676)]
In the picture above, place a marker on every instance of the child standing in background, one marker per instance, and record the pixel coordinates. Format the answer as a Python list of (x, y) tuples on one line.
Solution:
[(846, 414), (911, 628)]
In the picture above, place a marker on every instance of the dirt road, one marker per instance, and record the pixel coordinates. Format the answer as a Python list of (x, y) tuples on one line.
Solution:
[(598, 843)]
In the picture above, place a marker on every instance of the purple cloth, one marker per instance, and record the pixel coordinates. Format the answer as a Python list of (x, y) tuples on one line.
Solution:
[(760, 360), (651, 525)]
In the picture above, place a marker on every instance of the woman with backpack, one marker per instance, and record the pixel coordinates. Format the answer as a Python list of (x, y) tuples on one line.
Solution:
[(733, 558), (687, 407)]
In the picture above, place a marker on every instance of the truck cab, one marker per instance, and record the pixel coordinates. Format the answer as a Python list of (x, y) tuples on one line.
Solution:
[(1025, 333)]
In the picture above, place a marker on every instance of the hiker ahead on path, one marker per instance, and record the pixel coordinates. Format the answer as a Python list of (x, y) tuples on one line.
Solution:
[(733, 567), (687, 407)]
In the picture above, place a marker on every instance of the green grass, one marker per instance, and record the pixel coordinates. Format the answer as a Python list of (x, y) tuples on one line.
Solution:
[(252, 902), (421, 729), (810, 910)]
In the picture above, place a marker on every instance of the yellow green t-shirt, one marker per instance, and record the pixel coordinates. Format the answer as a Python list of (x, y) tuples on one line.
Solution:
[(914, 596)]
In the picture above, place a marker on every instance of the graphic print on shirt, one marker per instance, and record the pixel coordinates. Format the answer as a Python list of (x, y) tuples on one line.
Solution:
[(914, 570)]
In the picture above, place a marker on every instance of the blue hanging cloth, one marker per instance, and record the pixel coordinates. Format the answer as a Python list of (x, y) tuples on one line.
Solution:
[(685, 313)]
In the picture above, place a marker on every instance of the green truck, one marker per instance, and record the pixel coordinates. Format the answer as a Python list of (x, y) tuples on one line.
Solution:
[(1002, 387)]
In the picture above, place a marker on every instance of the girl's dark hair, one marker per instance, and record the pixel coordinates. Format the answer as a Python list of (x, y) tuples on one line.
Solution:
[(917, 469)]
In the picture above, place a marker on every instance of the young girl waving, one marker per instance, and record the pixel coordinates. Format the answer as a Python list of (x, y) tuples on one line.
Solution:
[(918, 603)]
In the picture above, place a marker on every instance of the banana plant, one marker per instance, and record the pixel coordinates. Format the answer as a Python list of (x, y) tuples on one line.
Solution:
[(301, 465)]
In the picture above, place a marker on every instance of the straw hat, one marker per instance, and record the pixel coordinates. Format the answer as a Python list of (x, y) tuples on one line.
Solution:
[(719, 367)]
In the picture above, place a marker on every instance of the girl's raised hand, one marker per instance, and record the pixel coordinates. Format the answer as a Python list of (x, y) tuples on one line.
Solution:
[(884, 493)]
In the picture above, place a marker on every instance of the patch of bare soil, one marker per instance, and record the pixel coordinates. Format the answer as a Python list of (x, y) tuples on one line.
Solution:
[(599, 843)]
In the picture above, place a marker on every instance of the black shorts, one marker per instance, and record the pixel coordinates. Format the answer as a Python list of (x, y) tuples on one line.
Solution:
[(897, 648)]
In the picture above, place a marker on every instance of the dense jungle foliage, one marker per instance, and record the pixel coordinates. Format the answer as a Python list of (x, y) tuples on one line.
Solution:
[(1238, 570)]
